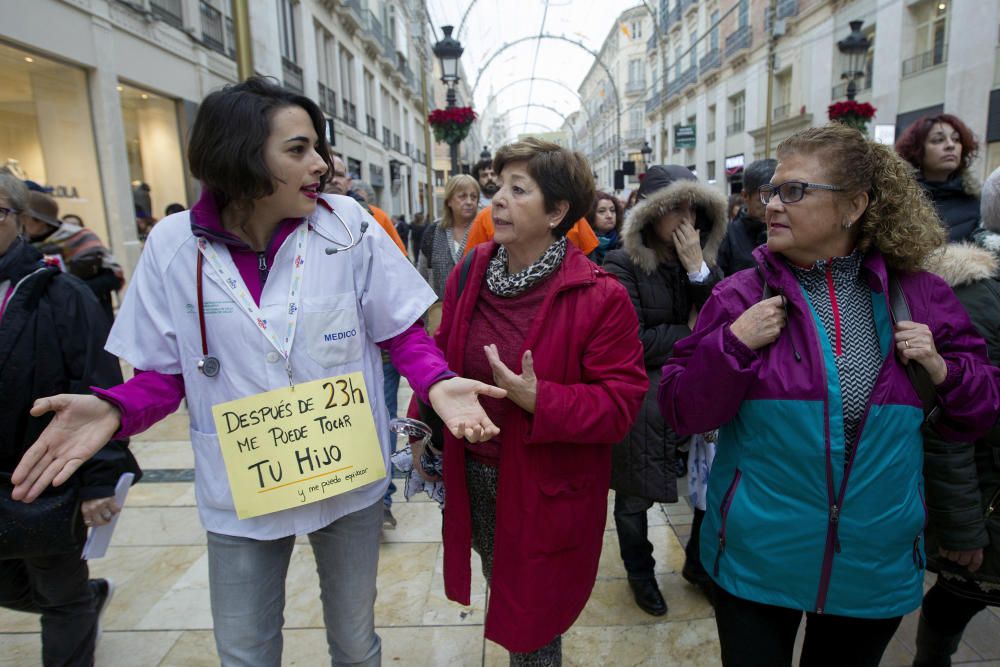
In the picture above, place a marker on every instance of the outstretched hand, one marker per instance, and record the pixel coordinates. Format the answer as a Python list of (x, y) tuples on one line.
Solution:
[(456, 401), (82, 425)]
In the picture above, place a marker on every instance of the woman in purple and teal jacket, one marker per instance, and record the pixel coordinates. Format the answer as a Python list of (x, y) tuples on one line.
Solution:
[(815, 501)]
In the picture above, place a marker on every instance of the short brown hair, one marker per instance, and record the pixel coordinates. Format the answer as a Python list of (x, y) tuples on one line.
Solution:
[(562, 175), (900, 220), (226, 150)]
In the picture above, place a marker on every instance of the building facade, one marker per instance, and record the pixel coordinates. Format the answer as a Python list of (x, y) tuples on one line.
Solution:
[(708, 108), (611, 126), (100, 95)]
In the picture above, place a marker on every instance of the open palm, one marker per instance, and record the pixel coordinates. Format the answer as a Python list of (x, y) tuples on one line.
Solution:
[(82, 425), (456, 401)]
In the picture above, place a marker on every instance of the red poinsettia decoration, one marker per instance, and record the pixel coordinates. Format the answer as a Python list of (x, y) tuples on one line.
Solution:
[(854, 114), (451, 125)]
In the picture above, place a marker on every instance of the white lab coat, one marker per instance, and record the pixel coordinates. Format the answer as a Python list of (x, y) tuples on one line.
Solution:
[(371, 289)]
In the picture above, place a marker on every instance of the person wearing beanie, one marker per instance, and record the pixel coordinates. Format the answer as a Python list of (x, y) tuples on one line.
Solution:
[(80, 250), (669, 240)]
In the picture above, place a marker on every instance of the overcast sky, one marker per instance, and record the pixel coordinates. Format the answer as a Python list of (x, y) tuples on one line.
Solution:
[(493, 23)]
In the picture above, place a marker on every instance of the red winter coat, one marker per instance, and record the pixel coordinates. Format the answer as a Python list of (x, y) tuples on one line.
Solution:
[(555, 465)]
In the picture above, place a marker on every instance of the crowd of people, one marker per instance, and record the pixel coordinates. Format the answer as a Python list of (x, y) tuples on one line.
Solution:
[(816, 356)]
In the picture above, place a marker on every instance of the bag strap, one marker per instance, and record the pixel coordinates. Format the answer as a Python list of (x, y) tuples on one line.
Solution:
[(918, 375), (464, 272)]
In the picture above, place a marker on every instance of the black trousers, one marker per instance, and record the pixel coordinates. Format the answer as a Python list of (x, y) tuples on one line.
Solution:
[(754, 634), (56, 587), (949, 613), (633, 530)]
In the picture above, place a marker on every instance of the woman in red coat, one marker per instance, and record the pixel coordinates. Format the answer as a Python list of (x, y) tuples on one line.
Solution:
[(536, 317)]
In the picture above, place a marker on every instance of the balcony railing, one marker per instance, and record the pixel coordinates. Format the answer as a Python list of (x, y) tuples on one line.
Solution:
[(371, 127), (782, 112), (168, 11), (386, 137), (687, 78), (711, 60), (350, 113), (230, 38), (710, 136), (327, 100), (735, 128), (212, 31), (788, 8), (840, 90), (374, 28), (396, 144), (635, 86), (738, 40), (925, 60), (291, 74)]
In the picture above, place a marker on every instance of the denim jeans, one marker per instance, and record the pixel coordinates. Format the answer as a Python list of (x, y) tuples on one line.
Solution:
[(56, 588), (247, 586), (391, 378)]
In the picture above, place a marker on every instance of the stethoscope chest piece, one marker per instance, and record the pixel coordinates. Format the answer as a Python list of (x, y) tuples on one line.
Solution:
[(209, 366)]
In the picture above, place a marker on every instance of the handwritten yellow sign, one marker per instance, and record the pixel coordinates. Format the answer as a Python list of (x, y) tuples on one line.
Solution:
[(297, 445)]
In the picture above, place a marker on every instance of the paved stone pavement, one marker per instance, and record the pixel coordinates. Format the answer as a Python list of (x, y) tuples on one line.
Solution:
[(160, 612)]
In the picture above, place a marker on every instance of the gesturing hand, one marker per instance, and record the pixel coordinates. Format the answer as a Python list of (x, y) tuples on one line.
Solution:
[(82, 425), (915, 341), (456, 402), (761, 323), (99, 511), (687, 242), (523, 388)]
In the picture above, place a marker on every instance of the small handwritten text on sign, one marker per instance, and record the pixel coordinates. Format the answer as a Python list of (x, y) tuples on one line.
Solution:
[(297, 445)]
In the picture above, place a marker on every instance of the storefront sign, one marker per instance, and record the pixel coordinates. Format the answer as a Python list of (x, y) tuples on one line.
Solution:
[(734, 161), (684, 136)]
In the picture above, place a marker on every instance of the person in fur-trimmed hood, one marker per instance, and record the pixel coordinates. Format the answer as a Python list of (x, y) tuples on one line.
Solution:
[(962, 480), (668, 244)]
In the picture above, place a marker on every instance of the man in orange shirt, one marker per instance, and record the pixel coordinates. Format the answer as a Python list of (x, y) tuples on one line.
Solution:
[(341, 184), (580, 234)]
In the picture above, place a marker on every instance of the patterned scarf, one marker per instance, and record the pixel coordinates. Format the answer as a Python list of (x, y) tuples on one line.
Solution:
[(504, 284)]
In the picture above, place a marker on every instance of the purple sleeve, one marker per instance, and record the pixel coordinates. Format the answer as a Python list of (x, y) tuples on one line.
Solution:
[(144, 400), (708, 374), (417, 358)]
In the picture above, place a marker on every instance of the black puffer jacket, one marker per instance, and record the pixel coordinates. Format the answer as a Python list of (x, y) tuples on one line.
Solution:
[(743, 235), (957, 203), (962, 480), (643, 464), (52, 342)]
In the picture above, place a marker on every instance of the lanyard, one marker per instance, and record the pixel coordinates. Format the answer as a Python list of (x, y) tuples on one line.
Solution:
[(243, 299)]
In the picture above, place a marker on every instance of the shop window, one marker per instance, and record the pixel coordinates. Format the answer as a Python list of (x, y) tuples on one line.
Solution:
[(153, 147), (46, 132)]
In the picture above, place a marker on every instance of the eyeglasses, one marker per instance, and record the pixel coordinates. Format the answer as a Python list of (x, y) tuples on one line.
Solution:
[(4, 212), (790, 192)]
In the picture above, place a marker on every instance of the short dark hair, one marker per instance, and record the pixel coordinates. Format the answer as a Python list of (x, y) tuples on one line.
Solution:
[(226, 150), (173, 208), (479, 166), (562, 175), (910, 145), (600, 196), (757, 173)]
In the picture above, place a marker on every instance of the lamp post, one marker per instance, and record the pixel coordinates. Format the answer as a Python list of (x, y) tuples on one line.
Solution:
[(485, 155), (855, 47), (646, 152), (448, 51)]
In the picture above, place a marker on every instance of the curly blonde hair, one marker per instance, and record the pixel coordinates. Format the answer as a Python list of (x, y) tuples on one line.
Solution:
[(900, 221)]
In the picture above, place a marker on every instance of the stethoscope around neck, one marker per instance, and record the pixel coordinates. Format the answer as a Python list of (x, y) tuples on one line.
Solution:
[(208, 365)]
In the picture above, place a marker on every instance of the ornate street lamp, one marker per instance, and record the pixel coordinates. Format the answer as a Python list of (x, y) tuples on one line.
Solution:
[(485, 155), (646, 152), (448, 51), (855, 47)]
